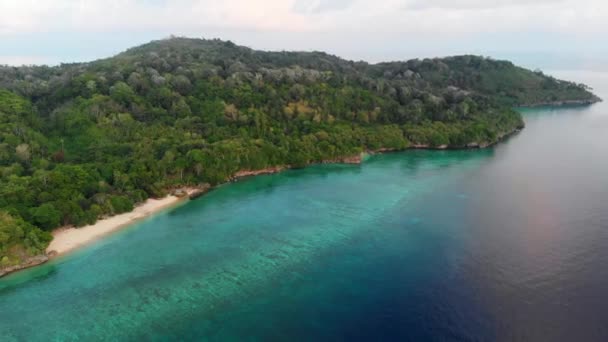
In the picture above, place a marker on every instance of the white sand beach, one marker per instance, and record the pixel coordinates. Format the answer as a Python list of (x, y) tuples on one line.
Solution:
[(69, 239)]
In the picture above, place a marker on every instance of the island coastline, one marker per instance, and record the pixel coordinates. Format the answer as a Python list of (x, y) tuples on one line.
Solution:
[(69, 239), (294, 128)]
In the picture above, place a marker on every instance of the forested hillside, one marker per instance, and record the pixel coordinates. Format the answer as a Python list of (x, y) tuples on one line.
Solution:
[(80, 141)]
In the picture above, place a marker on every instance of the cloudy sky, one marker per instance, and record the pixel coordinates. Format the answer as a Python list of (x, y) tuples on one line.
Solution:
[(548, 34)]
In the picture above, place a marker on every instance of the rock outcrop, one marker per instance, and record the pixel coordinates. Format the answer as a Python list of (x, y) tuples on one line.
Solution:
[(200, 191), (250, 173), (354, 160), (29, 262), (586, 102)]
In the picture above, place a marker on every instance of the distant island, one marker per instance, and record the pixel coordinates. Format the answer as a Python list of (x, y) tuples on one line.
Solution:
[(81, 142)]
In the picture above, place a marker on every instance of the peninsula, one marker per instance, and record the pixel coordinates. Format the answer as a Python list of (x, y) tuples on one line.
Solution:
[(90, 141)]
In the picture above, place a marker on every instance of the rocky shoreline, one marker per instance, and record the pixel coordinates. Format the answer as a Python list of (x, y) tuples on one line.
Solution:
[(469, 146), (251, 173), (562, 103), (349, 160), (30, 262)]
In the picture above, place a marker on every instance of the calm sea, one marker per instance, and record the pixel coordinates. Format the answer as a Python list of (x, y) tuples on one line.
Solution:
[(508, 243)]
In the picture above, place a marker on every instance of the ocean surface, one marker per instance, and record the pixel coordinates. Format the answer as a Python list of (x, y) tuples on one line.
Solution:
[(503, 244)]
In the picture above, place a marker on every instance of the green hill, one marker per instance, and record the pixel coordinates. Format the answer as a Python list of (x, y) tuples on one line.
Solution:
[(79, 141)]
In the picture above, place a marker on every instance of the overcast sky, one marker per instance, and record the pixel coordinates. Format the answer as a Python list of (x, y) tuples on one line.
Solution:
[(549, 34)]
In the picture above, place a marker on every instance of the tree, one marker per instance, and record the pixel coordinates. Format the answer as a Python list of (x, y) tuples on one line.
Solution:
[(46, 216), (122, 93)]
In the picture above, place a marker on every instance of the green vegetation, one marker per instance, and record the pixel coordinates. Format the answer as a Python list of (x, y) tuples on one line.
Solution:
[(80, 141), (19, 240)]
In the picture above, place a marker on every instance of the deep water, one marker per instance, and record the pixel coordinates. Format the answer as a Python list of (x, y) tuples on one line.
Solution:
[(507, 243)]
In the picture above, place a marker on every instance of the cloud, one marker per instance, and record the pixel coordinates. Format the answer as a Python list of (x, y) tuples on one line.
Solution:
[(474, 4), (33, 15), (406, 16), (320, 6), (76, 30), (472, 16)]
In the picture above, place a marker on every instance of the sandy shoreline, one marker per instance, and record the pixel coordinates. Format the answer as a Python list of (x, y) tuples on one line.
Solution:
[(68, 239)]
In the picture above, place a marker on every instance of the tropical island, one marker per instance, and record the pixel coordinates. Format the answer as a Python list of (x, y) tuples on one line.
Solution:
[(82, 142)]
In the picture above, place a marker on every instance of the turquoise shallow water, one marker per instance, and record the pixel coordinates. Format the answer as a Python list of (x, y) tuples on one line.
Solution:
[(499, 244)]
